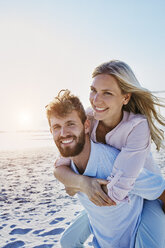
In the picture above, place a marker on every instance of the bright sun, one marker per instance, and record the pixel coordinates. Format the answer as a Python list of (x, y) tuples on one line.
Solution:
[(25, 120)]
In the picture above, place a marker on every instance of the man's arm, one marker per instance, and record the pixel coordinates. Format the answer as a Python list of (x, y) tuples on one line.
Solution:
[(90, 186)]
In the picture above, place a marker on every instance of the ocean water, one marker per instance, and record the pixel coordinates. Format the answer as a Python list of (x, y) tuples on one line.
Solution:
[(24, 140)]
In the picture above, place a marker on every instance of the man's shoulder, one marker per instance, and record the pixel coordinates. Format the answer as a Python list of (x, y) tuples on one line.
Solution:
[(103, 149)]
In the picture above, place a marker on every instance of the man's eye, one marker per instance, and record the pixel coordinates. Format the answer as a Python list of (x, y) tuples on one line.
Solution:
[(70, 124), (93, 90), (56, 127)]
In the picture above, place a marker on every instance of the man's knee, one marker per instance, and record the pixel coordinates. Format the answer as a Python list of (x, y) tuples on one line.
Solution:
[(67, 241)]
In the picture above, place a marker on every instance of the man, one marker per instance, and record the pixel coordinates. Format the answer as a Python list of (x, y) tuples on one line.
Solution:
[(112, 226)]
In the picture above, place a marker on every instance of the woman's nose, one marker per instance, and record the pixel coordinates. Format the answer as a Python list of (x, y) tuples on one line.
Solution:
[(97, 98)]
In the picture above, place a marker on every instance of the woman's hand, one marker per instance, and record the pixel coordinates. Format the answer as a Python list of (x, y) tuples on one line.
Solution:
[(96, 190), (62, 161), (71, 191), (162, 198)]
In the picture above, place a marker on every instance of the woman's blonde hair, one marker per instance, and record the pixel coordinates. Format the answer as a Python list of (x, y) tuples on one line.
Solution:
[(142, 101)]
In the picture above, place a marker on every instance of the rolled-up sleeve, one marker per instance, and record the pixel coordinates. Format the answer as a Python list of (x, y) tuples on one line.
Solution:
[(129, 162)]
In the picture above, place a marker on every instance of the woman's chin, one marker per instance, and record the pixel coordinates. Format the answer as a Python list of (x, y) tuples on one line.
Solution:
[(98, 116)]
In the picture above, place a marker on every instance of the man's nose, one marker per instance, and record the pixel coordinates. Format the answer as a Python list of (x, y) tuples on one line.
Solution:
[(63, 131)]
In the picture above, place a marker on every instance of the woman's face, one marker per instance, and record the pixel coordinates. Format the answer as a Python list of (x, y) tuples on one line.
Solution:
[(107, 100)]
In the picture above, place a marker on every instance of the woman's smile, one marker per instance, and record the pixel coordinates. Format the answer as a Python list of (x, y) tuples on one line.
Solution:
[(99, 109), (106, 99)]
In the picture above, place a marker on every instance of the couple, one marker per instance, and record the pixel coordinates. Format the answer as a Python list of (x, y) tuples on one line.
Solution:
[(126, 186)]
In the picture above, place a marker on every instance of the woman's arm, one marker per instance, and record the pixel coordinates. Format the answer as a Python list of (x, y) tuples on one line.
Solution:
[(130, 161), (92, 187)]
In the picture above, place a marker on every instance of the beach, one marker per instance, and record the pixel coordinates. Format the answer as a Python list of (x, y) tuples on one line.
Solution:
[(34, 208)]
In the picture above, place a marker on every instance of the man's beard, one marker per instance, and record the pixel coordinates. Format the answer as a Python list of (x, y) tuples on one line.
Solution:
[(76, 149)]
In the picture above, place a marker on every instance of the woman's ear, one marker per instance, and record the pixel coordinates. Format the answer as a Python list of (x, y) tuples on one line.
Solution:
[(87, 126), (127, 97)]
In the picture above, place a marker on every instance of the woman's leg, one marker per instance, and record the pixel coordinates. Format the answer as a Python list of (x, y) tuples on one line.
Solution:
[(151, 231), (77, 233)]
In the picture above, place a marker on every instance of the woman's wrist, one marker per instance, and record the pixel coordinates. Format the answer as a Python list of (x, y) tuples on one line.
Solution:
[(82, 183), (162, 197)]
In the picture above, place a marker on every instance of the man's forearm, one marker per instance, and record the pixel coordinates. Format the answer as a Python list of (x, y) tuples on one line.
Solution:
[(89, 186), (69, 178)]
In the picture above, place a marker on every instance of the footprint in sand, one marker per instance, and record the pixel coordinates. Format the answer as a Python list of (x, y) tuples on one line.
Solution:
[(18, 243), (56, 220), (53, 232), (20, 231), (38, 231), (44, 246)]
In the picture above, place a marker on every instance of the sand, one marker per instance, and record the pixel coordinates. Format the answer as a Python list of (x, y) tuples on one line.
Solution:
[(34, 208)]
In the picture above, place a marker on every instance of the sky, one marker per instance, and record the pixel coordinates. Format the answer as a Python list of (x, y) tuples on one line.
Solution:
[(49, 45)]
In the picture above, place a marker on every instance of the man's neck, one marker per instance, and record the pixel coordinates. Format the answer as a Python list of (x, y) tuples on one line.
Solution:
[(81, 160)]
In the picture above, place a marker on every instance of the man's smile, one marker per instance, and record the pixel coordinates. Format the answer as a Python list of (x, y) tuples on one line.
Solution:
[(67, 141)]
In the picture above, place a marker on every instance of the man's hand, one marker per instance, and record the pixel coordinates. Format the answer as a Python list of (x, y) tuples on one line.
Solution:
[(96, 191)]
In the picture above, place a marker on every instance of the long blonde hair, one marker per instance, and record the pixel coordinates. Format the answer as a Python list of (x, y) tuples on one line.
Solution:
[(142, 100)]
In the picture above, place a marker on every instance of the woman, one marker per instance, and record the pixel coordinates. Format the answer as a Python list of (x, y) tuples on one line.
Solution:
[(123, 115)]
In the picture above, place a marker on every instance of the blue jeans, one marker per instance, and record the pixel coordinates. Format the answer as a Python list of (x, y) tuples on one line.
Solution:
[(150, 234), (151, 231), (77, 233)]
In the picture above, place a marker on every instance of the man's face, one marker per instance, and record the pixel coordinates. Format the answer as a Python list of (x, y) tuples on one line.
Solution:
[(68, 134)]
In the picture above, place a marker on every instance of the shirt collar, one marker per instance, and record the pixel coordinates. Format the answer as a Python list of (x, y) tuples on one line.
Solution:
[(93, 159)]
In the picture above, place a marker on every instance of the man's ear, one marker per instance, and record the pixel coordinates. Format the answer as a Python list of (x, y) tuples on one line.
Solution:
[(50, 130), (87, 126), (127, 97)]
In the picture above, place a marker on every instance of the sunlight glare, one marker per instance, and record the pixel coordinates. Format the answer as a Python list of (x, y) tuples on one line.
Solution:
[(25, 120)]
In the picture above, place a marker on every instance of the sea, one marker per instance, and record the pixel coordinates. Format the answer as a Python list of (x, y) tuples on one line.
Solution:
[(15, 140)]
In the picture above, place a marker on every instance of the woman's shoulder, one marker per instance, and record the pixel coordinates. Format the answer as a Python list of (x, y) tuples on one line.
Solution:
[(134, 119)]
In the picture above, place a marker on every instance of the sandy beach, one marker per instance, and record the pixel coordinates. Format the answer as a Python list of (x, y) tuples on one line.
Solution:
[(35, 209)]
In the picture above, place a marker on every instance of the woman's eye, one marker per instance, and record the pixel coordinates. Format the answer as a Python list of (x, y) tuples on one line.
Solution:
[(107, 93)]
